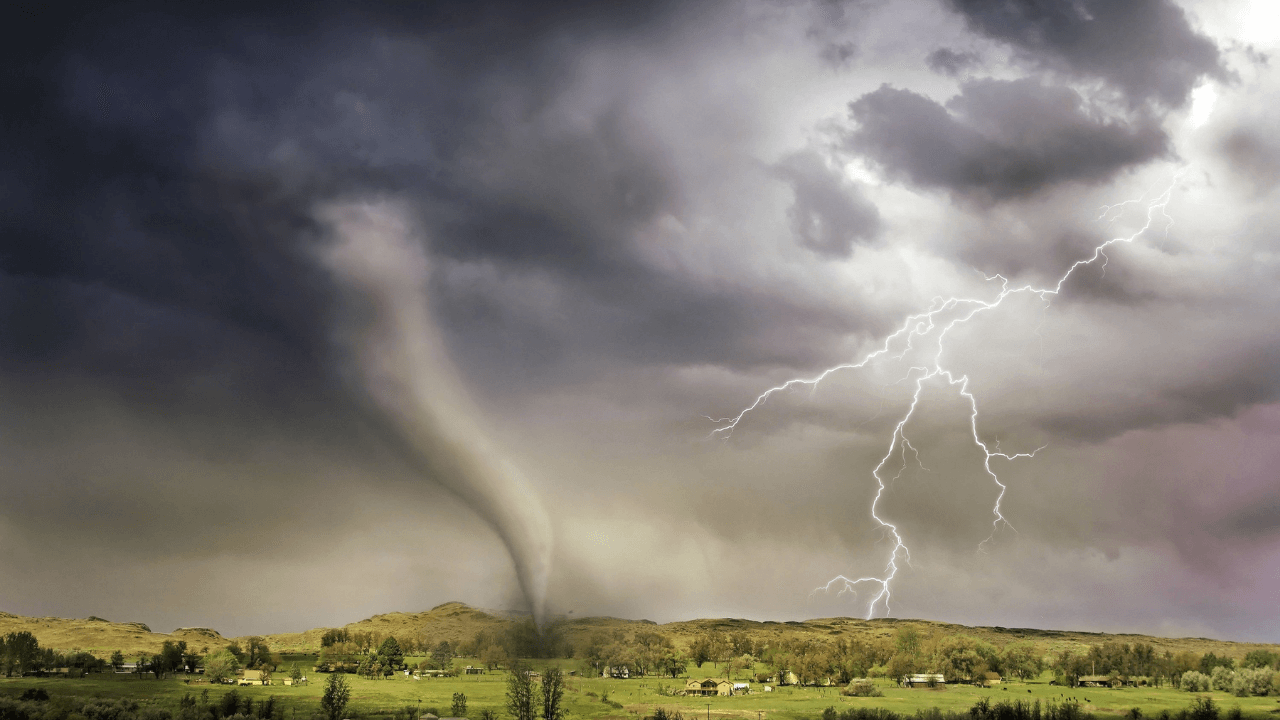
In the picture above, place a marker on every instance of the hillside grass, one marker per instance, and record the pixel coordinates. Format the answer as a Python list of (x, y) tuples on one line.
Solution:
[(457, 622)]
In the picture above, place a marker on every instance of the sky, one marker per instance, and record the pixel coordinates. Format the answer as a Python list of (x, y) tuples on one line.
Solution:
[(314, 311)]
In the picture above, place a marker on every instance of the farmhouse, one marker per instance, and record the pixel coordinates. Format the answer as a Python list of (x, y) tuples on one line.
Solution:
[(255, 677), (620, 672), (471, 670), (1099, 681), (709, 688)]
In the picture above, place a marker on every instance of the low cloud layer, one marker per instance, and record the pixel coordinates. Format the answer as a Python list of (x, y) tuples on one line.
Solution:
[(600, 227)]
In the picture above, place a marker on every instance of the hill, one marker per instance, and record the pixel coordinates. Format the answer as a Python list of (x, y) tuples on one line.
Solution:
[(457, 622), (101, 637)]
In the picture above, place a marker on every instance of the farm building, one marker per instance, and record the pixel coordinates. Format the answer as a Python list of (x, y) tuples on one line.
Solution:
[(255, 677), (621, 672), (923, 680), (472, 670)]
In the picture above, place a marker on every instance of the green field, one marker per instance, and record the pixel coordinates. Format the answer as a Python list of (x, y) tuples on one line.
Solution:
[(638, 697)]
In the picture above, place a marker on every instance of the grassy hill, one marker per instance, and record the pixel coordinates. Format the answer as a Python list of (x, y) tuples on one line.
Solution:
[(458, 622), (101, 637)]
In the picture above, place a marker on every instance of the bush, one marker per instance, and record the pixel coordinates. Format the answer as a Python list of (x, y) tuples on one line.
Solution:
[(1194, 681), (36, 694), (861, 688), (1203, 708), (1221, 677), (1251, 682)]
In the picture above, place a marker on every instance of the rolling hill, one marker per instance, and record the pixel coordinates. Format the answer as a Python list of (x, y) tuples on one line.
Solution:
[(457, 622)]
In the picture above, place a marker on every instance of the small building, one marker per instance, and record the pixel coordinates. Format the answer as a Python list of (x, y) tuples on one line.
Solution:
[(988, 679), (619, 672), (255, 677), (1098, 681), (923, 680), (472, 670), (741, 688)]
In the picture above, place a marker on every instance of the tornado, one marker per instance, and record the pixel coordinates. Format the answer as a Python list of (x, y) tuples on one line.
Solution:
[(396, 357)]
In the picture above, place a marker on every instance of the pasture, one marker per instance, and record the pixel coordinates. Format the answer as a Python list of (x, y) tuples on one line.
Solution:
[(593, 698)]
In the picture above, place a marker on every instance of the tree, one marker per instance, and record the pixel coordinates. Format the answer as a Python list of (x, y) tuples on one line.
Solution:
[(22, 651), (493, 656), (1259, 659), (700, 650), (521, 693), (170, 657), (391, 654), (1020, 660), (442, 655), (552, 694), (459, 707), (908, 640), (257, 652), (295, 673), (336, 694), (117, 660), (220, 665), (1210, 661)]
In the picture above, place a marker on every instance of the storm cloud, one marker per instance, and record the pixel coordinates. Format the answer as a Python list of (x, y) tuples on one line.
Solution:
[(597, 227), (998, 139)]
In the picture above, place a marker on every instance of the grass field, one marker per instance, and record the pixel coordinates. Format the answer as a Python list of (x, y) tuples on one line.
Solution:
[(638, 697)]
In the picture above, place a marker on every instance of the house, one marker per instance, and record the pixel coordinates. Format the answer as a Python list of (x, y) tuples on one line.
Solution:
[(471, 670), (988, 679), (1096, 681), (621, 672), (923, 680), (255, 677), (709, 688), (700, 688)]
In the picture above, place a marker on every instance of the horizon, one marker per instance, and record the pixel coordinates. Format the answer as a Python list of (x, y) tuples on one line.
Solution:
[(779, 308)]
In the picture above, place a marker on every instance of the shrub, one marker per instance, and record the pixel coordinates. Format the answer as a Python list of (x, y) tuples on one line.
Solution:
[(1221, 677), (861, 688), (1203, 708), (1194, 681), (1251, 682)]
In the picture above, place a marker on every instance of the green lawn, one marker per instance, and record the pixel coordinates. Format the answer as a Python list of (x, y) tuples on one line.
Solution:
[(638, 697)]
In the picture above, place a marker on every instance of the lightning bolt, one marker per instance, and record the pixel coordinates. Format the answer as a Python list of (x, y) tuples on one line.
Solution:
[(934, 324)]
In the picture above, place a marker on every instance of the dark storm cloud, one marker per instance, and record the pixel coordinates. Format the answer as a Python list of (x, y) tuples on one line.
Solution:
[(951, 62), (1254, 157), (1144, 48), (998, 139), (830, 213), (1259, 521)]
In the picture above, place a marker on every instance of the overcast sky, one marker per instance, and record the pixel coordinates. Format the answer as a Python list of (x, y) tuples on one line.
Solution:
[(312, 313)]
